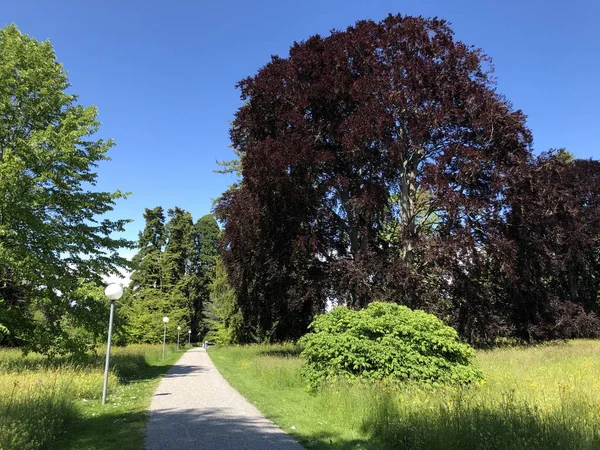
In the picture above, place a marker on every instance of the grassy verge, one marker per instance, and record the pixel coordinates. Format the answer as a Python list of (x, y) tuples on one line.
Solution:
[(533, 398), (57, 404)]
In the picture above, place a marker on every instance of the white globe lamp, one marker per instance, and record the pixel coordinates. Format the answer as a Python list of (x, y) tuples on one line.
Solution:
[(113, 291)]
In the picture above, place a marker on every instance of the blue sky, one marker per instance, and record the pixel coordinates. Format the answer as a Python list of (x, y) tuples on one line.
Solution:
[(163, 74)]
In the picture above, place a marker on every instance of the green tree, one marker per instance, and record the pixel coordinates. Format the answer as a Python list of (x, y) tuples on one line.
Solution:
[(150, 290), (51, 231), (231, 166), (144, 312), (147, 265), (206, 247), (223, 317), (85, 323), (177, 266)]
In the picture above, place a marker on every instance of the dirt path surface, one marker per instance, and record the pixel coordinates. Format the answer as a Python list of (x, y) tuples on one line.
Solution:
[(195, 408)]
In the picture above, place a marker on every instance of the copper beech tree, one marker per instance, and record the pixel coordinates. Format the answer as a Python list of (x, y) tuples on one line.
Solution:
[(553, 279), (376, 164)]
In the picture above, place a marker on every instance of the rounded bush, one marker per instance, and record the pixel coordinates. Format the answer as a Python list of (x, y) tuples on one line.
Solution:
[(389, 342)]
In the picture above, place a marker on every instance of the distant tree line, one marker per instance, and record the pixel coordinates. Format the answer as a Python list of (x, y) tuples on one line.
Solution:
[(173, 273), (380, 163)]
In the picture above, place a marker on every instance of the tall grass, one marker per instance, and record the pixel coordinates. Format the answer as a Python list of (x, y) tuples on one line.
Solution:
[(40, 398), (544, 397), (33, 409)]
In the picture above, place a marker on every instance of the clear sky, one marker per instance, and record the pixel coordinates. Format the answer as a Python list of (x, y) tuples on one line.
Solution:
[(163, 74)]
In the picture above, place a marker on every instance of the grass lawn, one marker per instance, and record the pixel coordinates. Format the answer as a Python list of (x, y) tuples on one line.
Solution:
[(545, 397), (57, 405)]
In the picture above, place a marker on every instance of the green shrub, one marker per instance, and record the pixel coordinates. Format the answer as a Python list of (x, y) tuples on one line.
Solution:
[(387, 342)]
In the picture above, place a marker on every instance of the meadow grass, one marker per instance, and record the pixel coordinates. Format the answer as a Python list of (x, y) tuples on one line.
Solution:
[(57, 403), (545, 397)]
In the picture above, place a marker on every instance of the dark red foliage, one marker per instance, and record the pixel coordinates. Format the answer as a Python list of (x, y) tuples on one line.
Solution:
[(554, 229), (377, 164)]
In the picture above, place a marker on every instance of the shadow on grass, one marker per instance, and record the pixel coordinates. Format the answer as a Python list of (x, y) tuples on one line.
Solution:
[(214, 429), (285, 352), (514, 426), (105, 431), (32, 420), (220, 429), (129, 367), (31, 417), (134, 367)]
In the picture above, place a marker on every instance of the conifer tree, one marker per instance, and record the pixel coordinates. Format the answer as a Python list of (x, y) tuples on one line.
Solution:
[(149, 300), (175, 268), (177, 265), (206, 241), (147, 262), (223, 317)]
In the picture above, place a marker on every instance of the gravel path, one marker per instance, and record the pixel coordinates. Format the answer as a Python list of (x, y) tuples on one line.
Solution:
[(195, 408)]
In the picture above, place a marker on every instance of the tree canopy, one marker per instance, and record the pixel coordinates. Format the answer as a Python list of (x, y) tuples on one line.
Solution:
[(173, 272), (52, 234), (380, 163)]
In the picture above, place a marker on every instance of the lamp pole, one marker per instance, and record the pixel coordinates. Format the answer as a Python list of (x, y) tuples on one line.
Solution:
[(165, 321), (189, 337), (178, 330), (113, 292)]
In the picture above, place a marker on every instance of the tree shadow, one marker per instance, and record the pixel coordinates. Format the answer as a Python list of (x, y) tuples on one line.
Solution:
[(479, 427), (103, 431), (185, 370), (214, 429), (33, 417), (53, 414), (128, 367), (385, 429), (286, 352)]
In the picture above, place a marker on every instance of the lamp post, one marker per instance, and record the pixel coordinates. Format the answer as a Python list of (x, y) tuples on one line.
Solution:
[(189, 337), (178, 330), (113, 292), (165, 321)]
